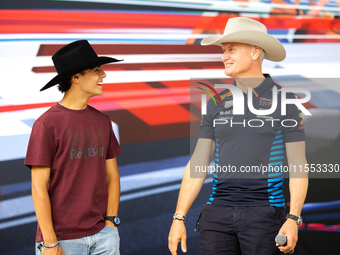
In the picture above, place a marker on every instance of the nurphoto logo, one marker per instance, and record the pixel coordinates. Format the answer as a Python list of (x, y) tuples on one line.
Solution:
[(238, 100)]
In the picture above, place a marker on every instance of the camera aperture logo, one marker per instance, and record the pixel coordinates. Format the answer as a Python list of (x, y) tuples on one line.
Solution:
[(212, 97), (237, 102)]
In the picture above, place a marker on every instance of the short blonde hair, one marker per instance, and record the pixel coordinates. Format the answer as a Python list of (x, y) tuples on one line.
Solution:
[(262, 54)]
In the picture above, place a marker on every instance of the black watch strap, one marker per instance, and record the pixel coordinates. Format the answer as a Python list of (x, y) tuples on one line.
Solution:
[(114, 219)]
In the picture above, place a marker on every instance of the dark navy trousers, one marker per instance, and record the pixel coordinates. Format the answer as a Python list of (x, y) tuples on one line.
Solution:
[(246, 230)]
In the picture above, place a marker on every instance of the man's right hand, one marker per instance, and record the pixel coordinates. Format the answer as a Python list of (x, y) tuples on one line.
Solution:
[(53, 251), (178, 233), (190, 188)]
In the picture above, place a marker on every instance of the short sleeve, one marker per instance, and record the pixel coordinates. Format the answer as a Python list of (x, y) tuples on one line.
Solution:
[(114, 148), (292, 125), (207, 128), (41, 147)]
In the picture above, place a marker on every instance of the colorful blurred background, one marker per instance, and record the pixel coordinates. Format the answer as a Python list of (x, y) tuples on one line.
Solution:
[(147, 96)]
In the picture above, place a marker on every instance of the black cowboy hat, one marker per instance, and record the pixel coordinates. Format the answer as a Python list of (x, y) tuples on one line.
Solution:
[(74, 58)]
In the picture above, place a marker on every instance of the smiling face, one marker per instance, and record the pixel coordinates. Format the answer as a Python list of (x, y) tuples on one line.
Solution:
[(91, 81), (237, 59)]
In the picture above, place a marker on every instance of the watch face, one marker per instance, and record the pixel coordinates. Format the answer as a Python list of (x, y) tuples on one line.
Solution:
[(116, 221)]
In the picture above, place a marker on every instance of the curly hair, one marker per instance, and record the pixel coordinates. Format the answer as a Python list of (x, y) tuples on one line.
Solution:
[(65, 85)]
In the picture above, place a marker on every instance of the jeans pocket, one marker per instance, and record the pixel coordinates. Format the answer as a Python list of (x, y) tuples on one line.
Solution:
[(108, 241), (112, 232)]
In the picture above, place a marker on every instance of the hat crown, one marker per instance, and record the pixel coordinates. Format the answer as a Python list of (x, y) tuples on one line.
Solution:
[(74, 58), (73, 54), (249, 31), (243, 24)]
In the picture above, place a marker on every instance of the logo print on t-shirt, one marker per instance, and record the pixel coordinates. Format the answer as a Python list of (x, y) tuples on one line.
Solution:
[(86, 144), (226, 95), (228, 104)]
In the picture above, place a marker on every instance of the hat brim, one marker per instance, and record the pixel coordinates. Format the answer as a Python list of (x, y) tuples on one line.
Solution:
[(273, 47), (81, 66)]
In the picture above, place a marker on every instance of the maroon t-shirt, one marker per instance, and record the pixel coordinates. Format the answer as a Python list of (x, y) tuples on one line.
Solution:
[(75, 145)]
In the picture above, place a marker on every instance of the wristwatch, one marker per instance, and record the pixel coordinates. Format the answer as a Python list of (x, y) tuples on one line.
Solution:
[(298, 219), (114, 219)]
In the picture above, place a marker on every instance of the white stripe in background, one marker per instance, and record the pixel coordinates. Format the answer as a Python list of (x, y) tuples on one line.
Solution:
[(27, 203), (13, 147), (28, 200), (136, 38), (162, 75), (168, 3), (18, 222), (149, 192), (16, 207), (24, 205), (103, 36), (135, 30), (143, 180), (167, 58), (220, 5), (11, 63)]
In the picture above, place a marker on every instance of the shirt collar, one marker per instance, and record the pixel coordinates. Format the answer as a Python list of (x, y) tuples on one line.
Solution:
[(259, 90)]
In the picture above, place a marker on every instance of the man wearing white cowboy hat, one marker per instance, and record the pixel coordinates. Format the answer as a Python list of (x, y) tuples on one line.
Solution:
[(72, 155), (243, 215)]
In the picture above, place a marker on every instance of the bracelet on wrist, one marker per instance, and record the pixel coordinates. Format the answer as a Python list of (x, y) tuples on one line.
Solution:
[(179, 217), (51, 245)]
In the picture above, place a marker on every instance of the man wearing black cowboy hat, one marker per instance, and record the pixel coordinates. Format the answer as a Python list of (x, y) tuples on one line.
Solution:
[(72, 155), (245, 211)]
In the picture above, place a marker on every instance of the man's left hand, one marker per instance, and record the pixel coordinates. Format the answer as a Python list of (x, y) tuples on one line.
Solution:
[(290, 230)]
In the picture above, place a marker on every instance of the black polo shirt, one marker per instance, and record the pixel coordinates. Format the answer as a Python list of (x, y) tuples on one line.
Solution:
[(250, 148)]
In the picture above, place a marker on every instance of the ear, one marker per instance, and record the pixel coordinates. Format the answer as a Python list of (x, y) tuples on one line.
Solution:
[(75, 78), (256, 52)]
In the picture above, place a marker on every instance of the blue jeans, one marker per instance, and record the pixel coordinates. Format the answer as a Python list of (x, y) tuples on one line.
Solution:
[(105, 242)]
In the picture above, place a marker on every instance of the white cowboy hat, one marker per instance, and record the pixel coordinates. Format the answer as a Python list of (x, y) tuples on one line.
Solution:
[(245, 30)]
